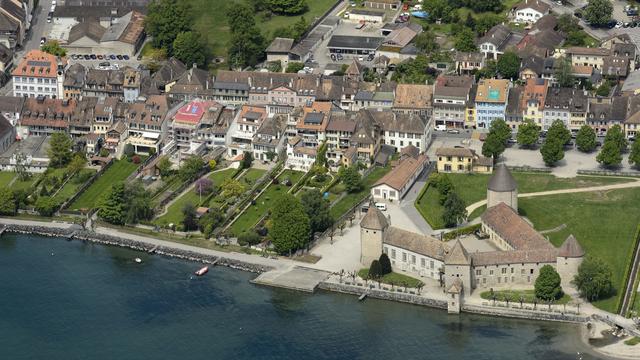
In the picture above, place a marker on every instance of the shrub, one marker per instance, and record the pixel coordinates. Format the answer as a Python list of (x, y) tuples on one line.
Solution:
[(249, 238), (375, 270), (135, 159), (385, 264), (547, 285), (594, 279)]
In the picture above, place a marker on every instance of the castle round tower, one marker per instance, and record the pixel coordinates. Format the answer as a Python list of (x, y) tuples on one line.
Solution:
[(502, 187)]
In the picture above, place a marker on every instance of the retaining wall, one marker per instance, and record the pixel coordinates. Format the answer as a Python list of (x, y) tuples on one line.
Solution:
[(135, 245), (525, 314), (383, 295)]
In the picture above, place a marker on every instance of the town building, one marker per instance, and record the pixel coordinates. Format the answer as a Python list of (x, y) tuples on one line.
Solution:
[(468, 62), (244, 128), (491, 101), (566, 104), (187, 122), (462, 160), (348, 45), (529, 11), (451, 95), (498, 40), (413, 98), (383, 4), (7, 134), (39, 74), (533, 100), (395, 184), (15, 20)]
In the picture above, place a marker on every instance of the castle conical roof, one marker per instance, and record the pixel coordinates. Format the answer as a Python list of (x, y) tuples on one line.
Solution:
[(571, 248), (457, 256), (374, 219), (502, 180)]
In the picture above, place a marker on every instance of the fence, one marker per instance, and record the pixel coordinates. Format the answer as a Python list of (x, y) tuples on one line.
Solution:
[(608, 173), (141, 167), (529, 169)]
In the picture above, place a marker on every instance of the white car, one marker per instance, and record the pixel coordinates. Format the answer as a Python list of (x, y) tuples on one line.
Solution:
[(381, 206), (53, 2)]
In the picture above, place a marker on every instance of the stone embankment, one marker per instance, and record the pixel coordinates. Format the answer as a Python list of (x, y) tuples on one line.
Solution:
[(111, 240), (405, 297)]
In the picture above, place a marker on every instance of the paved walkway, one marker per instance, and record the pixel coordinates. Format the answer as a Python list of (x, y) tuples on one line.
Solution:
[(632, 184)]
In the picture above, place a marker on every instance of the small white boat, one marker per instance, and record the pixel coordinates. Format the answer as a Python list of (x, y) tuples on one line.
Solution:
[(202, 271), (138, 260)]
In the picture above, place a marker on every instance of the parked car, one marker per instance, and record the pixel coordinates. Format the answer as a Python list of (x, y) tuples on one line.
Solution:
[(441, 127), (453, 131), (100, 57), (126, 57), (112, 57), (381, 206), (73, 56), (87, 57), (43, 40), (119, 57), (93, 56)]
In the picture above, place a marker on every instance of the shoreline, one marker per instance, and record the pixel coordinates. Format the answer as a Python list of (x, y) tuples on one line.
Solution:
[(67, 231)]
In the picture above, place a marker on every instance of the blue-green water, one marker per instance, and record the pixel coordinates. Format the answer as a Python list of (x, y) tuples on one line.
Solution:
[(94, 302)]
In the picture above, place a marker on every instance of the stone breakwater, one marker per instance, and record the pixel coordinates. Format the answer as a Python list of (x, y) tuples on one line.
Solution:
[(135, 245)]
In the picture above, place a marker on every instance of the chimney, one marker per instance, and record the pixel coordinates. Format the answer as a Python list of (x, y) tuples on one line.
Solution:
[(249, 80)]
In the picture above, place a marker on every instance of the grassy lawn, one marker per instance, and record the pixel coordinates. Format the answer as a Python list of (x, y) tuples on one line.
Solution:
[(395, 278), (632, 341), (118, 171), (211, 21), (174, 212), (528, 296), (6, 177), (350, 200), (603, 222), (473, 187), (250, 177), (71, 187), (253, 213)]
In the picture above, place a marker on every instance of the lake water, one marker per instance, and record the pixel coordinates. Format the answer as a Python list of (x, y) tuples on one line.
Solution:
[(72, 300)]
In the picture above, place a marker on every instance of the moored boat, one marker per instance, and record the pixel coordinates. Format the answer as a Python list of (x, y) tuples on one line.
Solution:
[(202, 271)]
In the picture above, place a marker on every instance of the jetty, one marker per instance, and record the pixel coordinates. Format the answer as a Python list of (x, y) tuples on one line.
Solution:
[(151, 251), (295, 278), (362, 297)]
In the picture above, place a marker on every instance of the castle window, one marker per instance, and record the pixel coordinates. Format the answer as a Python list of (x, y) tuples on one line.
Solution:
[(423, 262), (431, 264), (478, 272), (404, 257), (413, 259), (393, 253)]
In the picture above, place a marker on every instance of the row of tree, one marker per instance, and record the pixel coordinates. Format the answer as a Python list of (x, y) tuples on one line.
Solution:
[(455, 211)]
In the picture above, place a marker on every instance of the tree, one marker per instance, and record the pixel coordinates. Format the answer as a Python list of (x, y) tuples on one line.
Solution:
[(437, 9), (486, 22), (190, 168), (616, 136), (496, 140), (189, 218), (564, 73), (53, 47), (209, 222), (293, 67), (464, 41), (46, 206), (568, 23), (78, 162), (598, 12), (484, 5), (203, 186), (299, 28), (212, 164), (634, 156), (586, 139), (317, 209), (59, 149), (271, 155), (490, 70), (375, 270), (247, 43), (528, 133), (414, 71), (164, 166), (247, 160), (275, 66), (609, 155), (426, 42), (290, 226), (351, 179), (509, 65), (604, 89), (112, 206), (547, 285), (455, 210), (594, 279), (443, 184), (287, 7), (385, 264), (470, 22), (128, 150), (165, 20), (188, 47), (232, 188), (558, 131), (249, 237), (7, 202), (138, 203), (552, 151)]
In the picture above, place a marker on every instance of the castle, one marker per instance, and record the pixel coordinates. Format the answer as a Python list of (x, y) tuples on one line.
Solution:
[(519, 250)]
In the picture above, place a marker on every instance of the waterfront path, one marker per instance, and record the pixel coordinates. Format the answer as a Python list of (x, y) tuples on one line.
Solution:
[(632, 184)]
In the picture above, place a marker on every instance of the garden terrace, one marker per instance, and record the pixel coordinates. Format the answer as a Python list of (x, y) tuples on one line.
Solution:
[(263, 203), (473, 187), (118, 171), (396, 279), (71, 187), (189, 196), (348, 201), (514, 296)]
